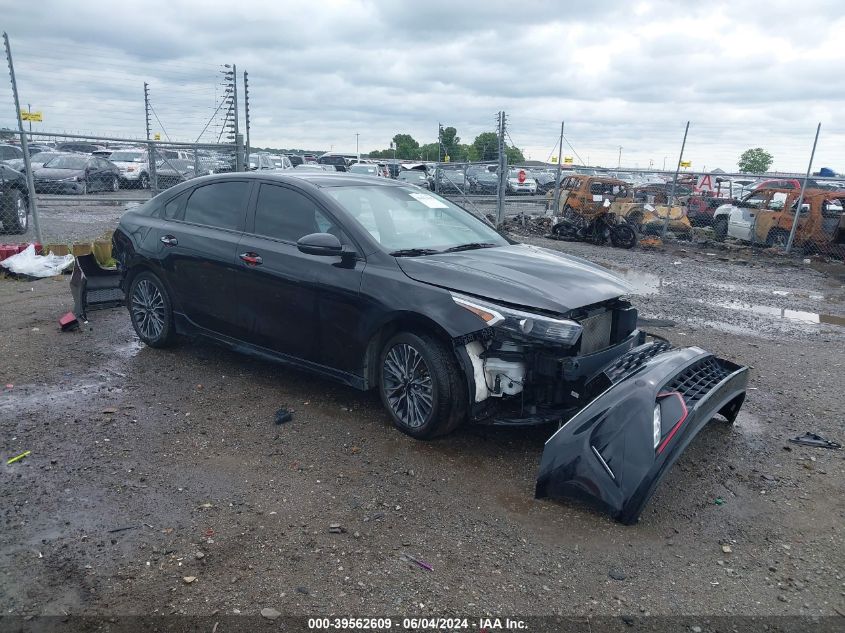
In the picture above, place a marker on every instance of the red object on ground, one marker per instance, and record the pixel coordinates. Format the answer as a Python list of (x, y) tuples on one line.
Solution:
[(7, 250), (521, 176), (68, 321)]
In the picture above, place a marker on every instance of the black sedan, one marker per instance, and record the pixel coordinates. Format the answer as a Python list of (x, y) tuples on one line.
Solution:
[(14, 206), (75, 173), (382, 285)]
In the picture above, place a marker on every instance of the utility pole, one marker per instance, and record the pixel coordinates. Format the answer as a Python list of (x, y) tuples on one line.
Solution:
[(556, 206), (674, 184), (246, 110), (439, 139), (801, 195), (503, 172), (30, 183), (619, 162), (29, 112), (357, 151), (244, 163), (147, 107)]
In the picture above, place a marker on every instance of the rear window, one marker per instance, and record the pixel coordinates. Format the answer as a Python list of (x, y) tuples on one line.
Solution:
[(219, 204)]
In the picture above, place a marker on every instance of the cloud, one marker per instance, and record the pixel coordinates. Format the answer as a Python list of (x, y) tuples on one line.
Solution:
[(320, 72)]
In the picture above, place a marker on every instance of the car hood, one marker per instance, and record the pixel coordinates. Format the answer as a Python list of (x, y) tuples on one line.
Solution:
[(518, 274), (46, 173)]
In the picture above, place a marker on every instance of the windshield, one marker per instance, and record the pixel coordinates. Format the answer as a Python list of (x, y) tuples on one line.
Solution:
[(412, 175), (128, 157), (67, 162), (43, 157), (401, 218)]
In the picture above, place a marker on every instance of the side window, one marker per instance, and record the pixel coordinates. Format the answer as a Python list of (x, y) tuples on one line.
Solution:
[(285, 214), (219, 204), (777, 202), (172, 209)]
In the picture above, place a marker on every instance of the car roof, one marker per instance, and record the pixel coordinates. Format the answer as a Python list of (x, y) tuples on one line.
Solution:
[(317, 179)]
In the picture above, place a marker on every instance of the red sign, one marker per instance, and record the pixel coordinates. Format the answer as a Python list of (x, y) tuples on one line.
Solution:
[(521, 176)]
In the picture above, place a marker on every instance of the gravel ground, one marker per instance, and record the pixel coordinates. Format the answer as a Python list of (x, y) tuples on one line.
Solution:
[(151, 467)]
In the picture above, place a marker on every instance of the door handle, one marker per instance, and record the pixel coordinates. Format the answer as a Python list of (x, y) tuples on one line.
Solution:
[(168, 240), (251, 259)]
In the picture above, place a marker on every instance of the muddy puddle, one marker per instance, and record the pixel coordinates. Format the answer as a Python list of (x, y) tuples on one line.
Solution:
[(798, 316)]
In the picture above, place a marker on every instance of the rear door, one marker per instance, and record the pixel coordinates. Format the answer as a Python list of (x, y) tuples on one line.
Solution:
[(198, 251)]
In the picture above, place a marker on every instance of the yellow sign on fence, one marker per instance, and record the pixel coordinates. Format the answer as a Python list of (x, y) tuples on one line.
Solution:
[(32, 116), (686, 163), (157, 137), (554, 159), (567, 160)]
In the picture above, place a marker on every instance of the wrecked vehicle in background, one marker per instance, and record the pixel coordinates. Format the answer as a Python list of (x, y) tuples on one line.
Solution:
[(765, 216), (381, 285), (587, 194)]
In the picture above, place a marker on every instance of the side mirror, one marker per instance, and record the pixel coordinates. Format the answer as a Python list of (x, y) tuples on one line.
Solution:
[(324, 244)]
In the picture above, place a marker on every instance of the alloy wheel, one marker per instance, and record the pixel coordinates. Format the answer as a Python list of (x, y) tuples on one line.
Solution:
[(148, 309), (407, 385)]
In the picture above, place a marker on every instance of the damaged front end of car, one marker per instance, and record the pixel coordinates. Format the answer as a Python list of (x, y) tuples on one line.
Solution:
[(628, 404)]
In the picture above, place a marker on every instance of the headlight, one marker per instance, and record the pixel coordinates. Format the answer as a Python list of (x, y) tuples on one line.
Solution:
[(658, 425), (522, 324)]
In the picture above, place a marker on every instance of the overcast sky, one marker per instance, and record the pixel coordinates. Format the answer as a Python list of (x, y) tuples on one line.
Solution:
[(619, 73)]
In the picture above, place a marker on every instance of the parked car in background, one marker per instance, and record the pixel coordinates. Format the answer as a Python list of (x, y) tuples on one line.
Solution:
[(36, 161), (451, 323), (545, 180), (366, 169), (10, 152), (586, 194), (451, 180), (14, 201), (481, 180), (339, 161), (520, 182), (79, 147), (134, 167), (414, 177), (103, 153), (261, 160), (766, 217), (314, 167), (293, 158), (172, 172), (786, 183), (70, 173)]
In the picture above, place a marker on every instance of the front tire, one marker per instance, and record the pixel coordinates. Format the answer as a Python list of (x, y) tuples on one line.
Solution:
[(720, 229), (777, 237), (143, 181), (14, 212), (623, 236), (115, 184), (151, 310), (421, 386)]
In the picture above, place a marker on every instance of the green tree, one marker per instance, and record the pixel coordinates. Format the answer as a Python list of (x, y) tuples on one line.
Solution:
[(450, 140), (485, 146), (406, 146), (514, 155), (755, 161)]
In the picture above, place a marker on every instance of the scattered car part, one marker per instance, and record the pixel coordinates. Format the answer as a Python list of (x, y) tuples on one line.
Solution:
[(94, 287), (817, 441), (68, 322)]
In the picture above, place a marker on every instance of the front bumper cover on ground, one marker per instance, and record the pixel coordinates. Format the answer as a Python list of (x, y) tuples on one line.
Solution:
[(608, 455)]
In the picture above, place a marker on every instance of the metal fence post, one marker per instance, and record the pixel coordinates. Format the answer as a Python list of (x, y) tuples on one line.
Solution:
[(30, 183), (794, 228), (239, 152), (503, 173), (151, 159), (196, 161), (437, 178), (556, 207), (674, 184)]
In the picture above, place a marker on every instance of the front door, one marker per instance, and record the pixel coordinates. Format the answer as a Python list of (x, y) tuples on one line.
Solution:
[(288, 301)]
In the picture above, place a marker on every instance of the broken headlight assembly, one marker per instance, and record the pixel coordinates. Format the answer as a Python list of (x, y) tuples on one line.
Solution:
[(519, 323)]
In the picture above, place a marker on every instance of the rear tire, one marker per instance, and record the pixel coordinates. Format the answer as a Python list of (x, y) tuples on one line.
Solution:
[(421, 385), (143, 181), (151, 310), (115, 184), (720, 229)]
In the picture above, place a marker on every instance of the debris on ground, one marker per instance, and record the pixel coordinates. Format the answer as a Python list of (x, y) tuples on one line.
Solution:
[(283, 415), (17, 458), (68, 322), (719, 501), (524, 224), (123, 529), (817, 441), (419, 563), (336, 528), (188, 579), (726, 549), (30, 264), (616, 574), (270, 613)]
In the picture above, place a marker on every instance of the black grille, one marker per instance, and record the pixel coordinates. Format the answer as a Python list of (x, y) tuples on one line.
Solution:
[(633, 360), (698, 380)]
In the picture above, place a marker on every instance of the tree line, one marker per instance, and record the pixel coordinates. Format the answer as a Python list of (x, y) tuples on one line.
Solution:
[(485, 147)]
